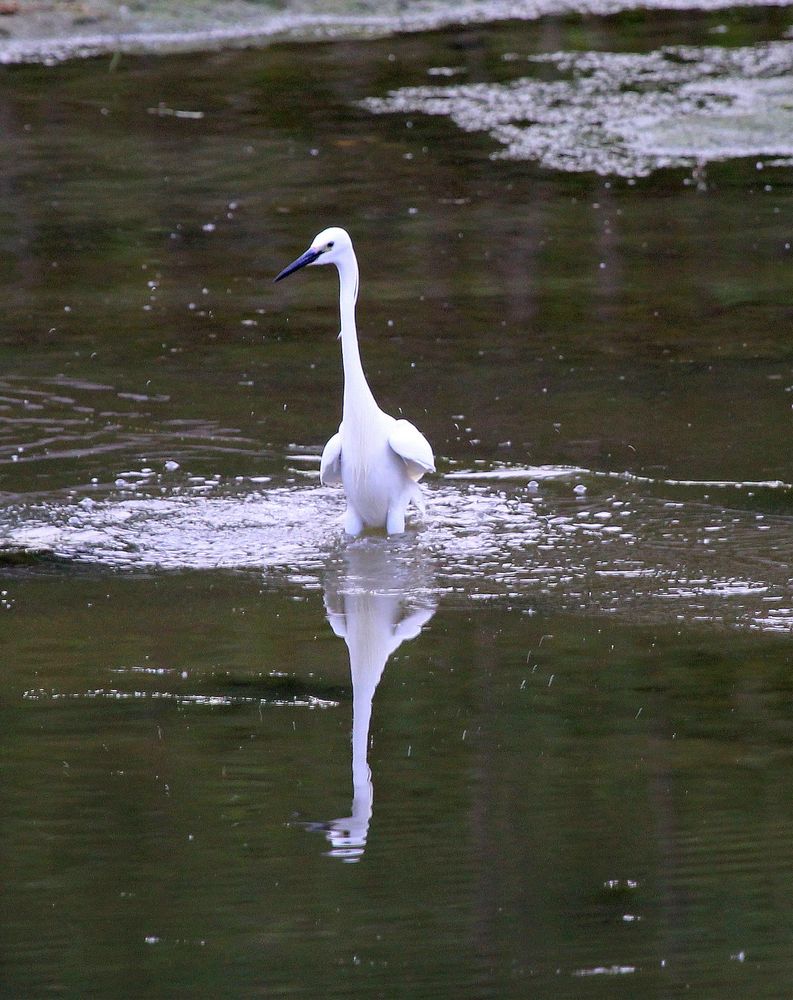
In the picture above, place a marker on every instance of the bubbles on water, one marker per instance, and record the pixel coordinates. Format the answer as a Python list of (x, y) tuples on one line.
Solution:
[(606, 970), (447, 71), (614, 550), (626, 113), (619, 885), (181, 698)]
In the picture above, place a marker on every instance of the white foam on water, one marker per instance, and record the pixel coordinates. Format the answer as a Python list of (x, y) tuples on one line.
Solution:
[(626, 114), (242, 24), (185, 699), (621, 553), (538, 473)]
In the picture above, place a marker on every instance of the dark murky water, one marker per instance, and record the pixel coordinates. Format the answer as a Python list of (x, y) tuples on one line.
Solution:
[(580, 744)]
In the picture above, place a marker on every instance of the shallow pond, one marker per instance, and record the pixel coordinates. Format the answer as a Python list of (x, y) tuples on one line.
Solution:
[(568, 685)]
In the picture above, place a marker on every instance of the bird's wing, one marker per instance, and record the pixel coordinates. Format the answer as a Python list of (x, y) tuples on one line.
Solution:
[(412, 624), (330, 464), (334, 609), (411, 446)]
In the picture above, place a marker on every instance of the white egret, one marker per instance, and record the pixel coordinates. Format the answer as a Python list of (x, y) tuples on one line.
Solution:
[(377, 459)]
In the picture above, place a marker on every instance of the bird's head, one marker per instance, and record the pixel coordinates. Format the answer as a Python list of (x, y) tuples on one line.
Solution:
[(328, 247)]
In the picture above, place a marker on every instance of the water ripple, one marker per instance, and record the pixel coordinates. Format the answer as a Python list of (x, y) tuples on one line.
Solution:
[(619, 552)]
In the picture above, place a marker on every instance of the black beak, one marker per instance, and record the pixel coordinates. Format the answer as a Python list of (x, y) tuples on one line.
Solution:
[(307, 258)]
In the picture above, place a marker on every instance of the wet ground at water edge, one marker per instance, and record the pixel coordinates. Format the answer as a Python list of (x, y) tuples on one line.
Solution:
[(541, 744)]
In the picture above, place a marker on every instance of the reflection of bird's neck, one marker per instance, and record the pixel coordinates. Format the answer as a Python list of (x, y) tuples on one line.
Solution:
[(359, 403), (370, 627)]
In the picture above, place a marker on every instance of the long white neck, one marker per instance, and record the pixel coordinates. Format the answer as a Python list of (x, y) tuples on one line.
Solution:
[(358, 398), (370, 625)]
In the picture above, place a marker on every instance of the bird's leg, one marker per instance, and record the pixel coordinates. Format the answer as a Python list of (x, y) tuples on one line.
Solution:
[(395, 522), (353, 522)]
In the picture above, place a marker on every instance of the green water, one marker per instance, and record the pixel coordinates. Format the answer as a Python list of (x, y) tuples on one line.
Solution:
[(580, 741)]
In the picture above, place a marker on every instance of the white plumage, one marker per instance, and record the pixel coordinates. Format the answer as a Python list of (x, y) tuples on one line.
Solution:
[(377, 459)]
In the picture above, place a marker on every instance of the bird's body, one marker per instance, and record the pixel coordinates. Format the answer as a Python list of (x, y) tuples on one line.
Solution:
[(377, 459)]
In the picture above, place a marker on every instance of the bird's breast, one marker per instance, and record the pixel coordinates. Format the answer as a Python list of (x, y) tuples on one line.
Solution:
[(372, 475)]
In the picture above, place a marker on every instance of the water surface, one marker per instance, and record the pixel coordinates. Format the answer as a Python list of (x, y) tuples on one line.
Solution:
[(568, 685)]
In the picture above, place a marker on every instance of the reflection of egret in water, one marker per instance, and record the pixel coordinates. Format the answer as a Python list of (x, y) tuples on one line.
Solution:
[(376, 599)]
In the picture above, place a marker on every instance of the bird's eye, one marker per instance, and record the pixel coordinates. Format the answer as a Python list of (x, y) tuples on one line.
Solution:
[(330, 245)]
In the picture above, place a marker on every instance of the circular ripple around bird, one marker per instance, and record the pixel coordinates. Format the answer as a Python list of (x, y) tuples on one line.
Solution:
[(616, 552)]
